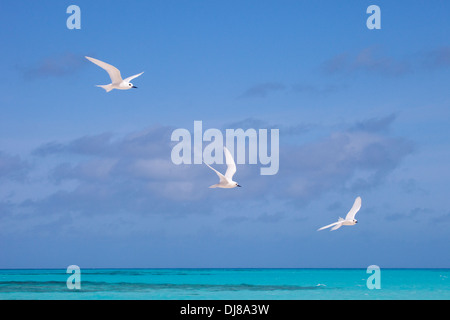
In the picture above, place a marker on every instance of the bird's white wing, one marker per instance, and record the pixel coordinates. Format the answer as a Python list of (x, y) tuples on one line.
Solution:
[(221, 176), (337, 226), (231, 166), (356, 206), (132, 77), (113, 72), (330, 225)]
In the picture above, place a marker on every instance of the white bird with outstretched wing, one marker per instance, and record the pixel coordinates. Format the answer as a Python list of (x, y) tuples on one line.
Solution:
[(116, 79), (349, 218), (226, 181)]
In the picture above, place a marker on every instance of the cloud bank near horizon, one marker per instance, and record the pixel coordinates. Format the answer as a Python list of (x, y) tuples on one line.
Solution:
[(106, 175)]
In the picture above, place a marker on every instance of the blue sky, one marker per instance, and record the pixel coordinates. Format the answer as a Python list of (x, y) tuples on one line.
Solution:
[(86, 177)]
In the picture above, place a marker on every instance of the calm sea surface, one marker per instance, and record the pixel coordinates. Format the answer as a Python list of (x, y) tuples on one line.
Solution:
[(225, 284)]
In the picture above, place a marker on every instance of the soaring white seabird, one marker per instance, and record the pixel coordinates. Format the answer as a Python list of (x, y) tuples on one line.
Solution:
[(349, 219), (116, 79), (226, 181)]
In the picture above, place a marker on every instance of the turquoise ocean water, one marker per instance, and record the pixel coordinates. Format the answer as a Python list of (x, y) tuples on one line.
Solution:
[(226, 284)]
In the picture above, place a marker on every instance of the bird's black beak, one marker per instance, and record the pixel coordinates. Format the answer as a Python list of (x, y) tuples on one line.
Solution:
[(134, 87), (238, 186)]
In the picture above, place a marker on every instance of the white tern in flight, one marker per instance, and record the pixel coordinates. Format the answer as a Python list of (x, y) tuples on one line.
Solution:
[(226, 181), (116, 79), (349, 219)]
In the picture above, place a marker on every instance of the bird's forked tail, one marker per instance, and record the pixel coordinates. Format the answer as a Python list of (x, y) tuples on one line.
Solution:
[(107, 87)]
